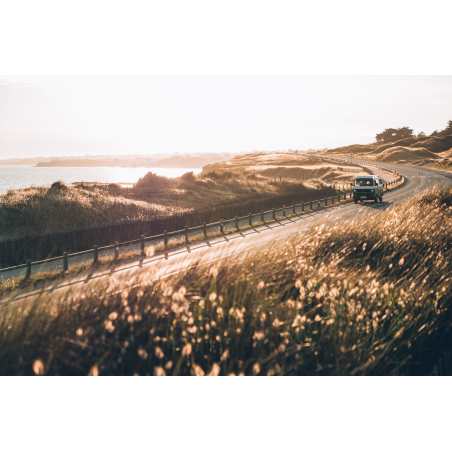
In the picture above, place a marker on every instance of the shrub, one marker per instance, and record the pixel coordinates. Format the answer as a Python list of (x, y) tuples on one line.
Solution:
[(208, 183), (113, 187), (218, 176), (151, 180), (227, 175), (58, 185), (188, 177), (210, 175)]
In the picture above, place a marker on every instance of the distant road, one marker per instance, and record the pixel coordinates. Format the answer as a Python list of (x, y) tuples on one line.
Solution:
[(238, 244)]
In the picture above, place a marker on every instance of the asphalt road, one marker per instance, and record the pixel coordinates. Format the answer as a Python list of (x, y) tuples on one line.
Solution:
[(237, 245)]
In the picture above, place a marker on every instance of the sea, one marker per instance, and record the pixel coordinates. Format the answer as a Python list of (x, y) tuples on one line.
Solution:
[(14, 177)]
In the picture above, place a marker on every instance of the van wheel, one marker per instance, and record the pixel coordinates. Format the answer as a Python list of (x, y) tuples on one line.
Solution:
[(356, 200), (376, 199), (381, 198)]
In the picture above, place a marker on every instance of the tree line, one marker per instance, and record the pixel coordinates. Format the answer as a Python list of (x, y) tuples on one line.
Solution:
[(390, 135)]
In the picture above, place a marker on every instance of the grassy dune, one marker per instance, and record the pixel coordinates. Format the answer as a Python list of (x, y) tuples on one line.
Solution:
[(62, 208), (434, 152), (282, 165), (371, 297)]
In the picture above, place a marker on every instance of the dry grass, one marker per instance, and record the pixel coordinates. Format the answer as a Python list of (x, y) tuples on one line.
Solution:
[(286, 166), (12, 285), (210, 190), (361, 298), (62, 208), (401, 154)]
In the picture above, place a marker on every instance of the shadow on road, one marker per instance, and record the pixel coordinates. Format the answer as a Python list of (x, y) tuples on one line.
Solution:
[(375, 205)]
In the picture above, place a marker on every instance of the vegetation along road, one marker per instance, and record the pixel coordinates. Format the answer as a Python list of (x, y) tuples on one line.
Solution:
[(349, 289), (240, 243)]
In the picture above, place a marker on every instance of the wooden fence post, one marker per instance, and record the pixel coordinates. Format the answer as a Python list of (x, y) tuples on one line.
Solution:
[(204, 228), (310, 205), (186, 234), (274, 214), (236, 223), (142, 244), (221, 227), (293, 208), (262, 216), (116, 250), (96, 254), (165, 239), (250, 221), (284, 210), (65, 262), (28, 269)]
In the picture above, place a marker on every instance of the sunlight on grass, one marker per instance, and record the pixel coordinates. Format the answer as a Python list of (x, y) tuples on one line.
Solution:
[(364, 297)]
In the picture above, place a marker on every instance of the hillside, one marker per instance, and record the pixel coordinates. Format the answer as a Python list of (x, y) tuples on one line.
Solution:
[(187, 161), (436, 144), (355, 148), (435, 152), (40, 210), (63, 208), (401, 154), (167, 162), (86, 163), (369, 298), (291, 166)]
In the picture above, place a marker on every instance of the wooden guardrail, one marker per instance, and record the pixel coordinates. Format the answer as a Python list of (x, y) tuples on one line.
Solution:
[(222, 225), (36, 247)]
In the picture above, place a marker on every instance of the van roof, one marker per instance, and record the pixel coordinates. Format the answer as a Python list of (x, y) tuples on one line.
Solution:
[(368, 176)]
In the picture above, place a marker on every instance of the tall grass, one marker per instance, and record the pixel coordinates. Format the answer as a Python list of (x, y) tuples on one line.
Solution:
[(212, 190), (62, 208), (368, 297), (40, 246)]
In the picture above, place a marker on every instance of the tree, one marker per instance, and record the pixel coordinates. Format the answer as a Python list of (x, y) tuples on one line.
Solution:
[(390, 135), (443, 133), (421, 135), (447, 130)]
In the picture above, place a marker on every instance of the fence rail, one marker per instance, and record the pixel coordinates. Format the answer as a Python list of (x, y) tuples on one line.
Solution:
[(294, 208), (37, 247)]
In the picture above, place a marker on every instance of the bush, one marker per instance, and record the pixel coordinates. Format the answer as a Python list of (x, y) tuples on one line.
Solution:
[(218, 176), (58, 185), (188, 177), (227, 175), (151, 180), (208, 183), (211, 175)]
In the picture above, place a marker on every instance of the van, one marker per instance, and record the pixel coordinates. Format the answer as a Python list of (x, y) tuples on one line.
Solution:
[(368, 187)]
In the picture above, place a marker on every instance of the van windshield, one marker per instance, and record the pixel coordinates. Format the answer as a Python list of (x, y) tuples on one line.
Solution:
[(364, 182)]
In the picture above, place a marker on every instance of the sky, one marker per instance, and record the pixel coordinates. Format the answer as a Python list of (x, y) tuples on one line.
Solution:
[(77, 115)]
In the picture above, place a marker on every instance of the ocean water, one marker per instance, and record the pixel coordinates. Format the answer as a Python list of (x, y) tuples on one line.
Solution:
[(15, 177)]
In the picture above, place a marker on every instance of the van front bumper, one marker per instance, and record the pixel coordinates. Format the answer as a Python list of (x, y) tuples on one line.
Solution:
[(365, 195)]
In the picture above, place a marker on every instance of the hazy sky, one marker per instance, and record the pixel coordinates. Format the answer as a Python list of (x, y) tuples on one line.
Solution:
[(76, 115)]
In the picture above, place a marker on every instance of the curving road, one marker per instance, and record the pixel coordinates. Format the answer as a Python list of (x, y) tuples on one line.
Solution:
[(240, 243)]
